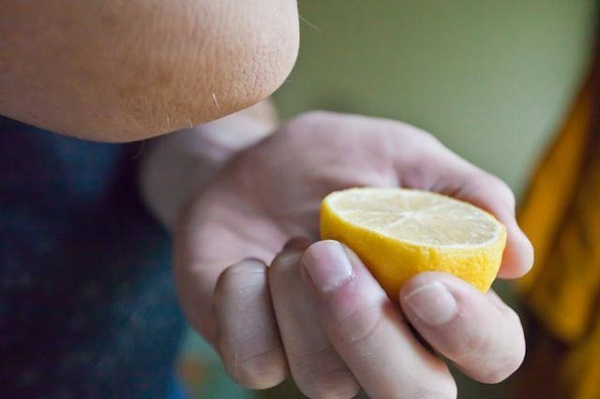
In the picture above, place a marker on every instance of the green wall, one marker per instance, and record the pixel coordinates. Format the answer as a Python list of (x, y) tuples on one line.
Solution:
[(490, 78)]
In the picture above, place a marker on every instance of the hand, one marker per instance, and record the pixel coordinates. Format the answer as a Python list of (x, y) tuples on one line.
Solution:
[(333, 339)]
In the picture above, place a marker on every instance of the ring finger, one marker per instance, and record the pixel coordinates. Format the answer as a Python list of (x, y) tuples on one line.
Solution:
[(315, 366)]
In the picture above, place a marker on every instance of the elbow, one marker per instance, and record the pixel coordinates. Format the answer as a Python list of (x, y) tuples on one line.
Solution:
[(148, 68), (247, 74), (227, 65)]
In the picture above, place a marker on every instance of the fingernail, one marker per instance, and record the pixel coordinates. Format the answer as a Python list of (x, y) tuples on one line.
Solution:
[(327, 265), (432, 303), (297, 243)]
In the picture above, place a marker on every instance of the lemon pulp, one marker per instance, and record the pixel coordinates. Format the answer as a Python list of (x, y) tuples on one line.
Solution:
[(399, 233)]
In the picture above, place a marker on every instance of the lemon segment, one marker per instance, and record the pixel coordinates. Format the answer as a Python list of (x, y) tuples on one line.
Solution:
[(399, 233)]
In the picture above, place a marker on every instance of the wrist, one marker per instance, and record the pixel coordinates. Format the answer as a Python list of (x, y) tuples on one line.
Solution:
[(179, 165)]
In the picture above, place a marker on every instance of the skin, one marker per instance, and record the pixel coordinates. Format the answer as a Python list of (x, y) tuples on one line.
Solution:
[(269, 320), (124, 70), (234, 199)]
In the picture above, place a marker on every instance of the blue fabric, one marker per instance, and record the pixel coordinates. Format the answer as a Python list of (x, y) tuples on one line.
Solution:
[(87, 302), (177, 390)]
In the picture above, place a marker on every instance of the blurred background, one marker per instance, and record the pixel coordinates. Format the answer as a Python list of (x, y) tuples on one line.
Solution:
[(491, 79)]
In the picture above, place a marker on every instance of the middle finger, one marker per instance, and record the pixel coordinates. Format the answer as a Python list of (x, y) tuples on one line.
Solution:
[(368, 331)]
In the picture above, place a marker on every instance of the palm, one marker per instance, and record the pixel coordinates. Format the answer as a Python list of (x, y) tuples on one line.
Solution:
[(247, 216), (269, 321), (273, 190)]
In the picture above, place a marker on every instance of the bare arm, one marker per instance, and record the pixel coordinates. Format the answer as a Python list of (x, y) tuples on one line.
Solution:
[(123, 70)]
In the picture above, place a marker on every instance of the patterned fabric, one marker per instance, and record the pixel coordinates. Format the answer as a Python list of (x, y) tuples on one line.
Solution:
[(87, 303)]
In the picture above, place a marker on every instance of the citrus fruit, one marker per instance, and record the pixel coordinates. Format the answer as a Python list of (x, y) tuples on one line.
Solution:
[(398, 233)]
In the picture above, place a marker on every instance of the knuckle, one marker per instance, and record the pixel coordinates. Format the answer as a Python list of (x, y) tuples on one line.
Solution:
[(475, 348), (334, 386), (422, 134), (473, 345), (331, 384), (446, 390), (284, 264), (248, 273), (491, 358), (503, 190), (315, 116), (261, 370), (361, 323), (310, 124), (507, 193), (505, 363), (315, 122), (322, 374), (241, 270), (441, 388)]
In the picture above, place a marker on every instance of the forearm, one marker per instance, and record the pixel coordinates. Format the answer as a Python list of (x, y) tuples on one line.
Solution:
[(174, 167), (127, 70)]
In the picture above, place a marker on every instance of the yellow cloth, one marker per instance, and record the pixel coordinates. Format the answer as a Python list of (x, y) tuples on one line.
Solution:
[(561, 215)]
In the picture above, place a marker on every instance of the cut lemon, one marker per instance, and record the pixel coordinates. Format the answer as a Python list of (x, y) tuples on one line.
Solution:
[(398, 233)]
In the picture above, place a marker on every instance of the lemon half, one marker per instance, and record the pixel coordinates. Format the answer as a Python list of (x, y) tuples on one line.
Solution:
[(398, 233)]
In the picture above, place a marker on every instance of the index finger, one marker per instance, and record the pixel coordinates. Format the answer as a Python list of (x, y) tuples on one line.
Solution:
[(433, 167), (492, 194), (368, 331)]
